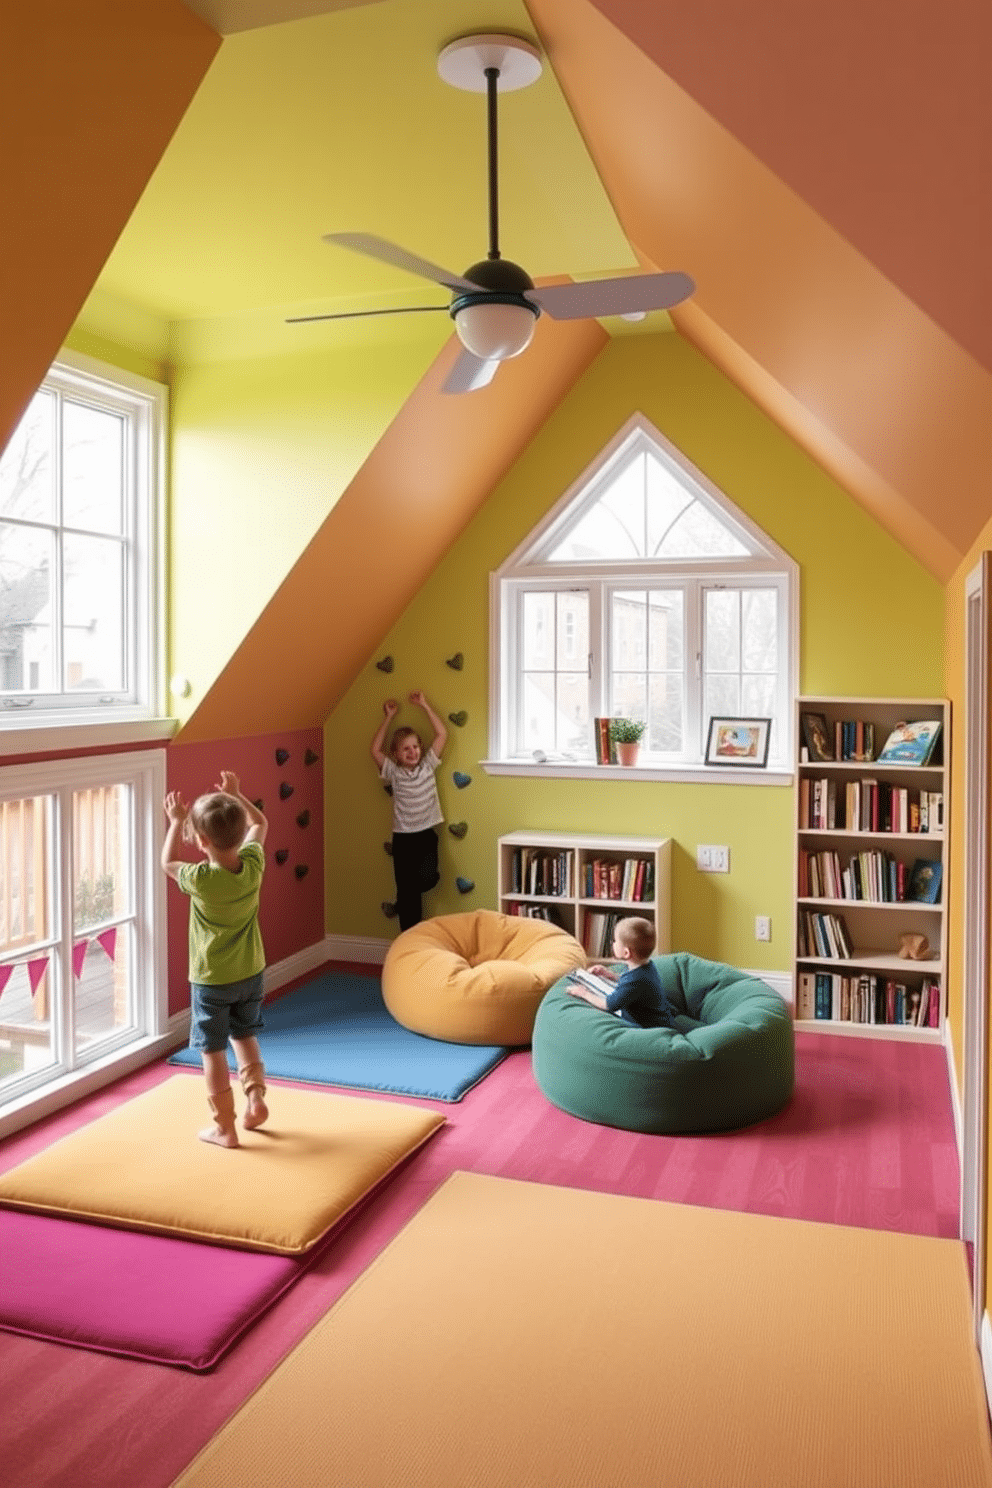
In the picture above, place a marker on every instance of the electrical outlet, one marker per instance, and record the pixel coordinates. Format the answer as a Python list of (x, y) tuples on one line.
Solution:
[(762, 927), (713, 859)]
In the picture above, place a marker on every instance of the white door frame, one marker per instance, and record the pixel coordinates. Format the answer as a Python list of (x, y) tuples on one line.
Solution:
[(976, 958)]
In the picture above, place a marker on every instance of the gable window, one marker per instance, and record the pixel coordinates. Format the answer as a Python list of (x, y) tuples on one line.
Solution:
[(80, 507), (644, 593)]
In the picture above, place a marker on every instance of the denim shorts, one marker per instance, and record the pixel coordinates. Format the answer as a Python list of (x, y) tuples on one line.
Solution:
[(233, 1010)]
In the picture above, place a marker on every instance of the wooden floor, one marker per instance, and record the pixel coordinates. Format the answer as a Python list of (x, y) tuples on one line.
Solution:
[(867, 1141)]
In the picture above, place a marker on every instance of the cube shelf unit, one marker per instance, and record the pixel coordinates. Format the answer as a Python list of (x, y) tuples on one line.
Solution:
[(565, 877), (873, 925)]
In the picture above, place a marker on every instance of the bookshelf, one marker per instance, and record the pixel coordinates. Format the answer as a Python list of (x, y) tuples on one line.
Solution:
[(584, 883), (870, 836)]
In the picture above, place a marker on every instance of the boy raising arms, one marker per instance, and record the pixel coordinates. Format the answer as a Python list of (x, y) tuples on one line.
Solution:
[(226, 957)]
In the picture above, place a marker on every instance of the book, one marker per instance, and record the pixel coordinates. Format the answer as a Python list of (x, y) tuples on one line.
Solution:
[(816, 736), (912, 743), (924, 881), (593, 982)]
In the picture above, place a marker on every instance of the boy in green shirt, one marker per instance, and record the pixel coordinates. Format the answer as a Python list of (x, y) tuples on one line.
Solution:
[(226, 957)]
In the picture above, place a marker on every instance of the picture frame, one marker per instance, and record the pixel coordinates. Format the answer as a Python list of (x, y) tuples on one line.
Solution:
[(738, 742), (817, 736)]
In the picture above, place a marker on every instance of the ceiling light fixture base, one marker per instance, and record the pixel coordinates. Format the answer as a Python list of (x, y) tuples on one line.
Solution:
[(463, 63)]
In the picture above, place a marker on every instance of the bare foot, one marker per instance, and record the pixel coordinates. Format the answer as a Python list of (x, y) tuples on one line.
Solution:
[(218, 1136), (257, 1112)]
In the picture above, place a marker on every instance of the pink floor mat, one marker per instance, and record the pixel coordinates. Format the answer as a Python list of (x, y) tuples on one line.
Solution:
[(150, 1297)]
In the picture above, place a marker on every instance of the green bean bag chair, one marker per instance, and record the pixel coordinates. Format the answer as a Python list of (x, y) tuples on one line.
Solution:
[(731, 1061)]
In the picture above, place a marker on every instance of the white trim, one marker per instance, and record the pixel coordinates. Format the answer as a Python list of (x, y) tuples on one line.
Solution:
[(356, 948), (43, 736), (952, 1080), (779, 981), (295, 966), (678, 774)]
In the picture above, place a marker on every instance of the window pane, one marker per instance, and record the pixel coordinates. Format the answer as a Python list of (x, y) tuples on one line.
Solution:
[(723, 630), (573, 733), (94, 609), (25, 1022), (101, 879), (629, 631), (760, 630), (538, 631), (26, 923), (665, 715), (104, 1003), (27, 465), (92, 468), (27, 651), (614, 526), (647, 630), (699, 534), (666, 500), (573, 630)]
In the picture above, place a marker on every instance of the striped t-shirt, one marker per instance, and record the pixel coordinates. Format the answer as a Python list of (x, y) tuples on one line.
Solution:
[(225, 942), (415, 803)]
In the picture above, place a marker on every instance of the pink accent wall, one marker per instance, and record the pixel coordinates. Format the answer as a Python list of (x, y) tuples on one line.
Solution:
[(292, 909)]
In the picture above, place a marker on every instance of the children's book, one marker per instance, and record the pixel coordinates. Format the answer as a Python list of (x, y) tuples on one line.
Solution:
[(593, 982), (924, 881), (911, 743)]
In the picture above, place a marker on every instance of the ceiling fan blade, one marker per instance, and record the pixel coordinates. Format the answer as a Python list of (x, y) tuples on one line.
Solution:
[(360, 314), (468, 373), (639, 292), (391, 253)]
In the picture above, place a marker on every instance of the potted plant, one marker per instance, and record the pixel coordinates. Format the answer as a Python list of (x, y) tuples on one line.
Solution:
[(626, 735)]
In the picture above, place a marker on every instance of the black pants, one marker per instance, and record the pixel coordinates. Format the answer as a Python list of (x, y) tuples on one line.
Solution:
[(415, 869)]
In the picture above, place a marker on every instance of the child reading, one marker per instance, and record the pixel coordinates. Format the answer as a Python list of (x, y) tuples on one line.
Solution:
[(638, 996)]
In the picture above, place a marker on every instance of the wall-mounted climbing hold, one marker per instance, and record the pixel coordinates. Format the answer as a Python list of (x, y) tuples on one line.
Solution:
[(301, 870), (458, 718), (259, 803), (282, 853), (386, 664), (388, 909), (311, 757), (455, 662), (388, 789), (285, 791), (282, 755), (461, 779), (303, 820), (388, 847), (458, 829), (464, 885)]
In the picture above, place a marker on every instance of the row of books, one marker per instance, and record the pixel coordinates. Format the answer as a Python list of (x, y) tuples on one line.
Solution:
[(823, 935), (539, 912), (873, 877), (606, 750), (541, 871), (868, 999), (597, 932), (611, 878), (868, 806), (916, 742)]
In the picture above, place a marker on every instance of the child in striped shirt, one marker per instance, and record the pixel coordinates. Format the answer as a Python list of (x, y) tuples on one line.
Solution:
[(409, 772)]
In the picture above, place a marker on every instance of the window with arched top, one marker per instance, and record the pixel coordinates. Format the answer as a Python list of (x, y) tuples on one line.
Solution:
[(644, 593)]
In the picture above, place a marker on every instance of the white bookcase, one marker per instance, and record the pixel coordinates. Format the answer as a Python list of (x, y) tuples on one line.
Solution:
[(584, 883), (862, 827)]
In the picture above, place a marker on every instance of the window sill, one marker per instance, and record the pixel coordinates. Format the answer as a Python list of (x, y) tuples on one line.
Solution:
[(68, 735), (676, 775)]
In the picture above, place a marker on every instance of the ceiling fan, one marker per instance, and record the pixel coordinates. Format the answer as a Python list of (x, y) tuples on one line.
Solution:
[(495, 303)]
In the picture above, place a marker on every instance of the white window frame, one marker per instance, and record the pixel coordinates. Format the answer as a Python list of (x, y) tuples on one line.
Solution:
[(766, 566), (116, 719), (144, 771)]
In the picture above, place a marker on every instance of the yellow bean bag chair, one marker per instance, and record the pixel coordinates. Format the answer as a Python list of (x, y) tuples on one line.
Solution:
[(475, 978)]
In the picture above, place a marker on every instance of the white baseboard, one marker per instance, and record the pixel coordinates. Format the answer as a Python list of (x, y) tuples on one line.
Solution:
[(355, 948), (779, 981)]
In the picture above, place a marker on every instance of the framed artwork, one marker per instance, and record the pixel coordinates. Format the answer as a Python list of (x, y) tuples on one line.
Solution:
[(738, 741), (816, 737)]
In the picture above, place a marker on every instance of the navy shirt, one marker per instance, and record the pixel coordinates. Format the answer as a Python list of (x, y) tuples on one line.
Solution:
[(641, 997)]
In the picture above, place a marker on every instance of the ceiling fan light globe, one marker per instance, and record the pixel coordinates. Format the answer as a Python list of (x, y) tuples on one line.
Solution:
[(495, 332)]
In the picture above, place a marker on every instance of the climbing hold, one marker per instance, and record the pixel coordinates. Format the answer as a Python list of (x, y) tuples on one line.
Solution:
[(282, 755), (388, 789), (464, 885), (303, 820), (388, 847), (389, 910), (458, 718), (458, 829), (456, 662), (282, 853), (259, 803), (301, 870), (285, 791), (386, 664), (461, 779), (311, 757)]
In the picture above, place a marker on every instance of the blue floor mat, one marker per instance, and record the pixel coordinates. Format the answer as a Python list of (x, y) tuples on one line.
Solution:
[(336, 1030)]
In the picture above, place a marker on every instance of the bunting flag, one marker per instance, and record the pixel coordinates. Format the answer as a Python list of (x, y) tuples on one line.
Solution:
[(6, 972), (36, 970), (108, 939), (79, 956)]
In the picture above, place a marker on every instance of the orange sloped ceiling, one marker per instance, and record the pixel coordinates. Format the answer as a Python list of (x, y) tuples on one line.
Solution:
[(428, 475), (92, 92), (860, 376)]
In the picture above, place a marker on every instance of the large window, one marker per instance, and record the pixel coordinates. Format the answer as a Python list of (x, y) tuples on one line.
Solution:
[(80, 505), (644, 593)]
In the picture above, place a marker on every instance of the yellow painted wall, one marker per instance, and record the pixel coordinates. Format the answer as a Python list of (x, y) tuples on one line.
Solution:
[(872, 623)]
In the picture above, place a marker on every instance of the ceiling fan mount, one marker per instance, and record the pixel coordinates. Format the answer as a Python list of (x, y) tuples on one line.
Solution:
[(495, 303)]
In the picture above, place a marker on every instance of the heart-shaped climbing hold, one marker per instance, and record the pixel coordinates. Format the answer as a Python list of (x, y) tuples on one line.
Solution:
[(389, 910), (461, 779), (311, 757), (282, 853), (301, 870), (455, 662), (388, 847), (259, 803), (282, 755), (458, 718), (285, 791), (458, 829), (464, 885), (386, 664), (388, 789), (303, 820)]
